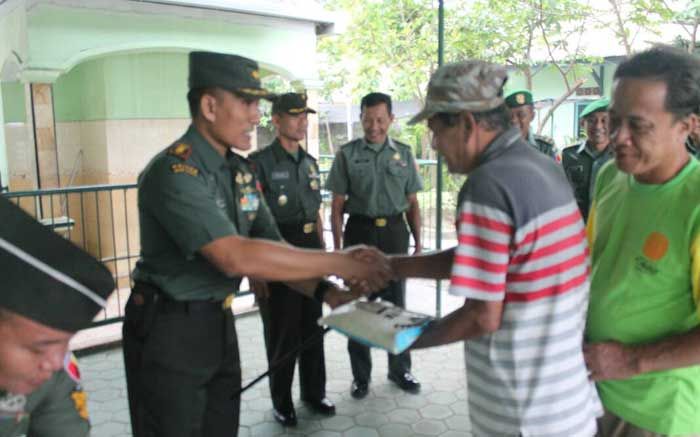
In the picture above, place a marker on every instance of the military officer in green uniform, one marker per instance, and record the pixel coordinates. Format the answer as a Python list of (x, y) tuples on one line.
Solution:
[(582, 161), (199, 207), (290, 181), (375, 180), (522, 112), (51, 289)]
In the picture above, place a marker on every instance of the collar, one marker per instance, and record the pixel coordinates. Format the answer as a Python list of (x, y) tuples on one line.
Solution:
[(280, 153), (591, 151), (500, 144), (205, 151), (378, 147)]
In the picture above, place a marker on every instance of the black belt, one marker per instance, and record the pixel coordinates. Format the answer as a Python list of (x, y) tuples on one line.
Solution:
[(167, 304), (379, 222), (307, 227)]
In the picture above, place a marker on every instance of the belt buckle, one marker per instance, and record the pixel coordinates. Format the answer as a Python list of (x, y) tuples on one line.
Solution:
[(308, 228), (226, 304), (380, 222)]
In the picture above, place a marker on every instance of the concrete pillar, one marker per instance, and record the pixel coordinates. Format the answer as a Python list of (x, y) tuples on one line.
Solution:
[(4, 168), (44, 129)]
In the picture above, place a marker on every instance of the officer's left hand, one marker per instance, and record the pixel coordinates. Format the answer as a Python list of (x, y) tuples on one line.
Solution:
[(610, 360), (259, 288), (337, 296)]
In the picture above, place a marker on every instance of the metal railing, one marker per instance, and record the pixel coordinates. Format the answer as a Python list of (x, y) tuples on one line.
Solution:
[(103, 220)]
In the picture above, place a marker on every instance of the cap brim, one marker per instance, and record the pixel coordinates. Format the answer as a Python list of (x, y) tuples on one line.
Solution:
[(255, 93), (423, 115)]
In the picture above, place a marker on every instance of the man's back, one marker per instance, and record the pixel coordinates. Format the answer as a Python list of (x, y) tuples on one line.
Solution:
[(522, 241)]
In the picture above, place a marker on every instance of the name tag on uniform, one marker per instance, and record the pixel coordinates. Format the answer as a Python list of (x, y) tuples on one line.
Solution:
[(278, 175), (250, 202)]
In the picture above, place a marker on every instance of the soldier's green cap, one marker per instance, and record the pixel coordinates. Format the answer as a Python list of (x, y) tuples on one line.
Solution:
[(595, 106), (291, 103), (230, 72), (47, 278), (518, 98), (475, 86)]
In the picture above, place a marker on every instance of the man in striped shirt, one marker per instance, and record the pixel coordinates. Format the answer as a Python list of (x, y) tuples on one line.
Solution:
[(521, 264)]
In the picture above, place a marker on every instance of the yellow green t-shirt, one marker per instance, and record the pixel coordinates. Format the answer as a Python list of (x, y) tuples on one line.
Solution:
[(645, 255)]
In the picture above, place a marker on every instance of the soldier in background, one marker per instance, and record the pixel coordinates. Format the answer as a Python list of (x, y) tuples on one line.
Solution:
[(522, 112), (51, 289), (290, 181), (582, 161)]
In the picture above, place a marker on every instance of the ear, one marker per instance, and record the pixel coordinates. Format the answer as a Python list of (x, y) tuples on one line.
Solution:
[(688, 124), (207, 107), (275, 120)]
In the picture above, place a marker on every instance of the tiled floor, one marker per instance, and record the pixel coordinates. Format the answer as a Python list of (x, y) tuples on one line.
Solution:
[(439, 410)]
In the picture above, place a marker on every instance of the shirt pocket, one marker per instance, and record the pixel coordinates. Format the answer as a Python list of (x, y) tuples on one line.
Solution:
[(361, 177)]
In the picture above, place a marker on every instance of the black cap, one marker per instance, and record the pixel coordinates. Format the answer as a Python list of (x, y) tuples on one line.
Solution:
[(230, 72), (47, 278), (291, 103)]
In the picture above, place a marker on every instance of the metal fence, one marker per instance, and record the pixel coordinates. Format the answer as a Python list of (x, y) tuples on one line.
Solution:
[(103, 220)]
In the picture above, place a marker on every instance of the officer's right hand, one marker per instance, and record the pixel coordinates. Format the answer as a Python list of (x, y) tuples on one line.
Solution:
[(367, 269)]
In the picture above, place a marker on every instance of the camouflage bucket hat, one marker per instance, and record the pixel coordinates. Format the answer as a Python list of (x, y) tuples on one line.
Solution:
[(465, 86)]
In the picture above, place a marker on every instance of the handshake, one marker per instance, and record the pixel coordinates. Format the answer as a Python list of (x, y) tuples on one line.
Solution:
[(364, 270)]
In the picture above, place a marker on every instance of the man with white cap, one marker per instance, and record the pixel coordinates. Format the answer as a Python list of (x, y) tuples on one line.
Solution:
[(51, 289), (520, 263)]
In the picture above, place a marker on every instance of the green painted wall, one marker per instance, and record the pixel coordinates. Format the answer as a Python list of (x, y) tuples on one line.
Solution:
[(135, 86), (13, 105)]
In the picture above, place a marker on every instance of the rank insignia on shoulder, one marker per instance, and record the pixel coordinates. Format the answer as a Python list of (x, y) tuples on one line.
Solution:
[(184, 168), (12, 407), (181, 150), (70, 365), (80, 403)]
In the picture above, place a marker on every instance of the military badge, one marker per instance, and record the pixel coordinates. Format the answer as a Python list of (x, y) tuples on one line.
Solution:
[(70, 365), (255, 74), (520, 98), (251, 217), (80, 403), (282, 200), (181, 150), (247, 178), (250, 202), (239, 178), (314, 184), (184, 168), (396, 156)]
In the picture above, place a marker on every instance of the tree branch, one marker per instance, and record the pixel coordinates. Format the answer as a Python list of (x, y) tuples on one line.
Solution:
[(558, 102)]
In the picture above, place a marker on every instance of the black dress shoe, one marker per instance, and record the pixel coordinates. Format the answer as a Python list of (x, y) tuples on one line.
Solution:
[(359, 390), (285, 419), (321, 406), (406, 382)]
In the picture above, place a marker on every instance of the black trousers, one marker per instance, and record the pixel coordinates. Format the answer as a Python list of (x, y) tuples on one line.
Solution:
[(390, 239), (182, 369), (289, 319)]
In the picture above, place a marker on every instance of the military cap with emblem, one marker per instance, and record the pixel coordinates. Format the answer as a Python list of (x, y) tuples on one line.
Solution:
[(595, 106), (466, 86), (291, 103), (230, 72), (47, 278), (518, 98)]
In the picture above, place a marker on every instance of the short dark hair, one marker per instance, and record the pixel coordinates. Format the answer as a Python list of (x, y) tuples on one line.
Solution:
[(679, 70), (194, 96), (374, 99), (496, 119)]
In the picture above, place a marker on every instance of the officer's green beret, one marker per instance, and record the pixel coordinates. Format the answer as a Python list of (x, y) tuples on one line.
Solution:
[(291, 103), (595, 106), (230, 72), (518, 98), (45, 277)]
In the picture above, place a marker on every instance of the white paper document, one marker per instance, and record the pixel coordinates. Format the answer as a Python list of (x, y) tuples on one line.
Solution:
[(378, 324)]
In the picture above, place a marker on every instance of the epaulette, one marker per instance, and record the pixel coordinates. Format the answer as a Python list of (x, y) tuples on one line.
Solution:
[(546, 140), (180, 150)]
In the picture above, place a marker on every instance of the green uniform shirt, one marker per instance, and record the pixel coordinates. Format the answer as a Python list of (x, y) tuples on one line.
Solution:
[(543, 144), (291, 185), (375, 177), (645, 286), (581, 165), (189, 196), (56, 409)]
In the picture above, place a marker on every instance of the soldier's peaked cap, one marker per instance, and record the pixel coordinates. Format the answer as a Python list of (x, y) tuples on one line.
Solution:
[(47, 278)]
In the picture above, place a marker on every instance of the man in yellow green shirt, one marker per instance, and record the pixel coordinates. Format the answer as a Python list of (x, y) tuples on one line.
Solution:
[(644, 228)]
